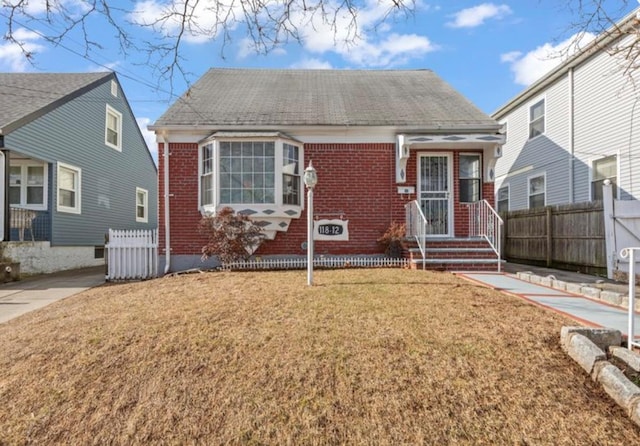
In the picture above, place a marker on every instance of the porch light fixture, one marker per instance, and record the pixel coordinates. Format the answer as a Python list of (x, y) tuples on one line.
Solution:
[(310, 180)]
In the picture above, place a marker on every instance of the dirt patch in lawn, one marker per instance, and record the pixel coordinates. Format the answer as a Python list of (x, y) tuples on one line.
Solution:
[(365, 357)]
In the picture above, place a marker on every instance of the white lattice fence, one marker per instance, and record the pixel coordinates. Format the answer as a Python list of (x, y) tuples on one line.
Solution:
[(320, 262), (132, 254)]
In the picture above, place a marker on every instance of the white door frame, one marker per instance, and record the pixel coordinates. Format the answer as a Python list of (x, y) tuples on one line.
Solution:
[(449, 192)]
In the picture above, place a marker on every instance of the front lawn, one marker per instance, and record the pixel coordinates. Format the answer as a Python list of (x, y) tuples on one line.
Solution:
[(379, 356)]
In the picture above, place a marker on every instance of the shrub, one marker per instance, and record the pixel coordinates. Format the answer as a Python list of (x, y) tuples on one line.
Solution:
[(392, 239), (230, 236)]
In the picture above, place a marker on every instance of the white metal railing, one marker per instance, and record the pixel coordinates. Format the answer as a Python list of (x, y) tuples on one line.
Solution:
[(485, 222), (631, 253), (132, 254), (416, 225)]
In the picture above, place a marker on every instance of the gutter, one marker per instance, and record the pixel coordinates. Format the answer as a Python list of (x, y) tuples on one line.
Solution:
[(167, 214)]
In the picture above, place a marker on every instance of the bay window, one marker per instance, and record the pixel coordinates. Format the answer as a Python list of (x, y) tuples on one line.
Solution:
[(257, 171)]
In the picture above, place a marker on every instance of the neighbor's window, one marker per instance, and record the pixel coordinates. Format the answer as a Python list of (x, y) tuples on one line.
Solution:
[(536, 119), (290, 175), (28, 184), (503, 198), (470, 179), (113, 128), (142, 205), (69, 182), (604, 169), (247, 172), (537, 192)]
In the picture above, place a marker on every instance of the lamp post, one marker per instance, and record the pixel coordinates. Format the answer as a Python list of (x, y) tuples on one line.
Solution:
[(310, 180)]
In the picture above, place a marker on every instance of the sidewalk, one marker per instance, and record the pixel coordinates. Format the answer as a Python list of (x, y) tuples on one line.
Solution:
[(31, 293), (569, 302)]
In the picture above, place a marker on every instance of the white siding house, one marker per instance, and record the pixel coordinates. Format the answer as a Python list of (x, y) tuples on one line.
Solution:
[(571, 130)]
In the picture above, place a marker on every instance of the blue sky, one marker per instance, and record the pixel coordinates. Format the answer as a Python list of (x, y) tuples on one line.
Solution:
[(489, 51)]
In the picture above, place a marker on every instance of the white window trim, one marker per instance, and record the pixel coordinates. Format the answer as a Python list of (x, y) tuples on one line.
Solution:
[(544, 175), (78, 207), (45, 191), (278, 185), (114, 89), (508, 186), (544, 117), (145, 204), (591, 170), (118, 115)]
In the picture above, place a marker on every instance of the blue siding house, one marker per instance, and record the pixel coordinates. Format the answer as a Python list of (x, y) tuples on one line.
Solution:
[(73, 163)]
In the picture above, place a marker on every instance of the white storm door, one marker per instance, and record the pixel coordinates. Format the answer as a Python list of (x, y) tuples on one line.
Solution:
[(435, 194)]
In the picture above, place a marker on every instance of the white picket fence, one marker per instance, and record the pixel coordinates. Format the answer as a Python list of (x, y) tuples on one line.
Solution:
[(132, 254)]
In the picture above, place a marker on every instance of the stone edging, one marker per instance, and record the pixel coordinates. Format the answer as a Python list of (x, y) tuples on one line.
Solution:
[(610, 297), (587, 347)]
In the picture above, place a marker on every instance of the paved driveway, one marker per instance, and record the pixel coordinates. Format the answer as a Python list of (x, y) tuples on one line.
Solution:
[(17, 298)]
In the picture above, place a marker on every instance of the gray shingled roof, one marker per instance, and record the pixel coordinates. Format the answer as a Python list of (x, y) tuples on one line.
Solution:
[(262, 97), (25, 96)]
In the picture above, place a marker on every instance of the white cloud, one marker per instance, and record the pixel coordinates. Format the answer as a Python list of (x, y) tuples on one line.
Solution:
[(149, 137), (12, 56), (312, 64), (477, 15), (396, 49), (531, 66), (359, 46)]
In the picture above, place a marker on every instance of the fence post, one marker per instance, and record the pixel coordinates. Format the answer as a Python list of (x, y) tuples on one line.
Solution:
[(549, 236), (609, 227)]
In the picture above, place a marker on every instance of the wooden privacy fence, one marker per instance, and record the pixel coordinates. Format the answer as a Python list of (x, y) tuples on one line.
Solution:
[(132, 254), (567, 236)]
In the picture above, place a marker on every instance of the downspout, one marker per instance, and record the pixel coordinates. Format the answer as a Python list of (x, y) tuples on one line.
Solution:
[(571, 137), (167, 219)]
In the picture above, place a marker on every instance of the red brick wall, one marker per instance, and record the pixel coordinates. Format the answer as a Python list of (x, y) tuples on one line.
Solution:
[(355, 179)]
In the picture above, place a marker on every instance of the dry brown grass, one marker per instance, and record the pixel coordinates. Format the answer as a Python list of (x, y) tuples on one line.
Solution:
[(366, 357)]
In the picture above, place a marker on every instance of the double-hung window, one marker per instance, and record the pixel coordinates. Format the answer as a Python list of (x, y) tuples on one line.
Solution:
[(142, 205), (604, 169), (69, 184), (255, 171), (470, 179), (113, 129), (537, 192), (28, 184), (502, 199), (536, 119), (290, 175)]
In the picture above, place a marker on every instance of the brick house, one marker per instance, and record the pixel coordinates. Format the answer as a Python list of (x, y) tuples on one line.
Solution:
[(381, 142)]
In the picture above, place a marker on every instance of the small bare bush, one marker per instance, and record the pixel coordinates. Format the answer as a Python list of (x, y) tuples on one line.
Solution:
[(230, 236)]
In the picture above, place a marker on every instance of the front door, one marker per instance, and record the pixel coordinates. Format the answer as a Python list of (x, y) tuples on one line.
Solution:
[(435, 194)]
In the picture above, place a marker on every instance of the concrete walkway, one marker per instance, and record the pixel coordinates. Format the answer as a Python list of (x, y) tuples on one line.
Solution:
[(18, 298), (579, 308)]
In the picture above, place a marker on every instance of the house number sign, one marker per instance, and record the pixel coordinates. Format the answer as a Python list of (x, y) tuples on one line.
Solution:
[(331, 230)]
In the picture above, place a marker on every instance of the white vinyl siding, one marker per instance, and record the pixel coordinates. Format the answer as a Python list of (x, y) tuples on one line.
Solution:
[(69, 184)]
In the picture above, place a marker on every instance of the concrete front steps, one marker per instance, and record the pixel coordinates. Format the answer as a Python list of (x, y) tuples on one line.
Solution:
[(453, 254)]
